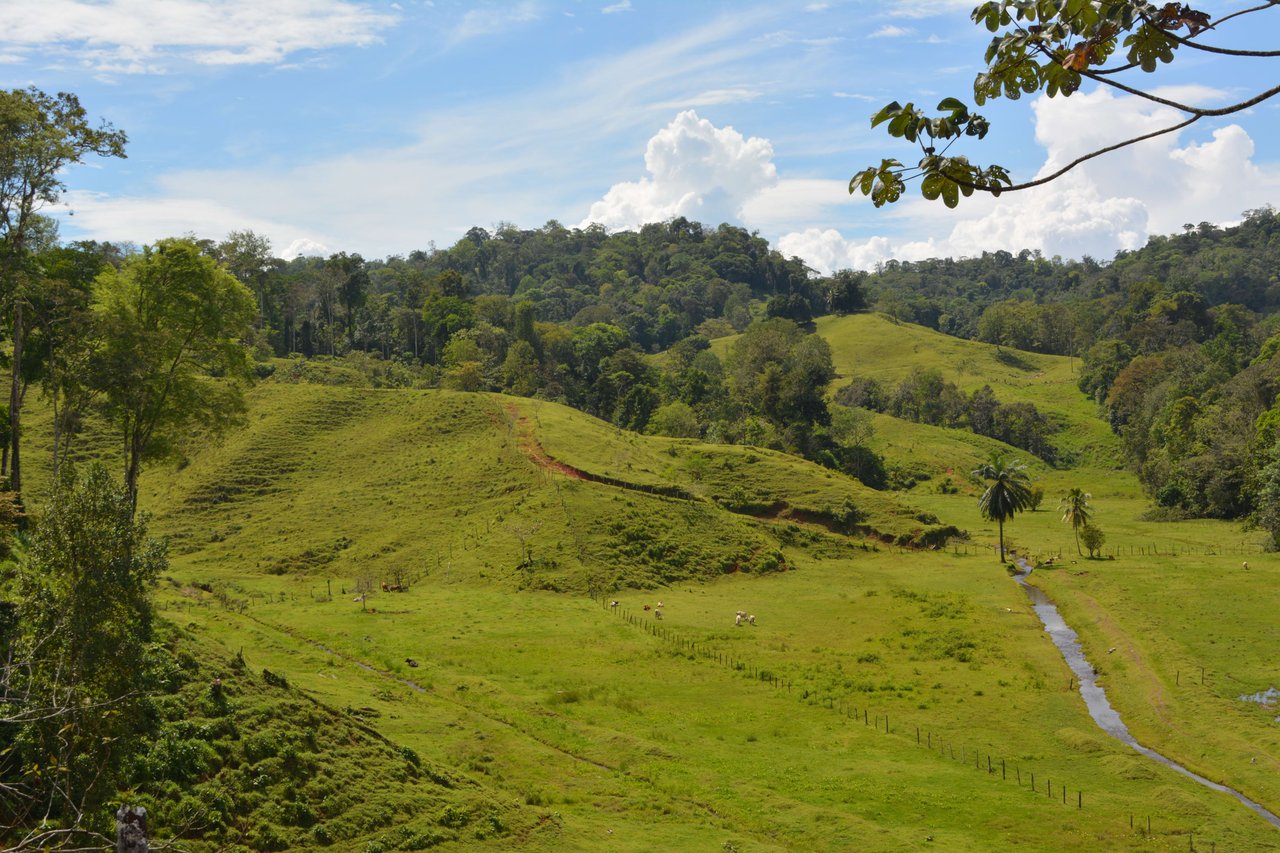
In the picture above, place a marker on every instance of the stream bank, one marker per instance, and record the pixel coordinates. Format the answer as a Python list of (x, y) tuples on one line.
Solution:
[(1095, 698)]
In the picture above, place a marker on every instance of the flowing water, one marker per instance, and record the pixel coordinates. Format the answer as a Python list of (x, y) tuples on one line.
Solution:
[(1095, 699)]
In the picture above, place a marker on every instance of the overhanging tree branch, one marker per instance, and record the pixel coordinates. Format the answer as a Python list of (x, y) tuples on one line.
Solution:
[(1047, 48)]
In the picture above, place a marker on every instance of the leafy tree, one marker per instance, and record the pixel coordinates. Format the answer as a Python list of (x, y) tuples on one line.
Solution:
[(247, 256), (676, 419), (40, 135), (353, 287), (520, 369), (62, 337), (172, 361), (442, 317), (1050, 47), (1008, 490), (1093, 539), (844, 292), (72, 693), (1076, 511)]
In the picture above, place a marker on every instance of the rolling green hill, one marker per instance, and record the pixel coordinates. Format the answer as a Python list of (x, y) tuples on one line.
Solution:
[(615, 730), (877, 346), (860, 709)]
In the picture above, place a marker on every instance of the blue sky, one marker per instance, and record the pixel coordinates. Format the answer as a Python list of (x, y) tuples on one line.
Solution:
[(379, 128)]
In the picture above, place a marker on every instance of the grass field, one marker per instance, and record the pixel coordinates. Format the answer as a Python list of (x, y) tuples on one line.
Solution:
[(594, 729), (614, 737)]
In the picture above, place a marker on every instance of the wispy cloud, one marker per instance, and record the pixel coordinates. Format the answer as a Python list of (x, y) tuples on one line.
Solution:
[(711, 97), (817, 7), (929, 8), (889, 31), (466, 164), (621, 6), (854, 95), (492, 20), (149, 36)]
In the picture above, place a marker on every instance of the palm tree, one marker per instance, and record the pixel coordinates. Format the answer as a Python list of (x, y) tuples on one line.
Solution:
[(1075, 510), (1008, 490)]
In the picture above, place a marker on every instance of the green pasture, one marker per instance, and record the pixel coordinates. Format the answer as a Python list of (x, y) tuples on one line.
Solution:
[(583, 728), (742, 478), (877, 346), (613, 737), (630, 740), (1191, 635)]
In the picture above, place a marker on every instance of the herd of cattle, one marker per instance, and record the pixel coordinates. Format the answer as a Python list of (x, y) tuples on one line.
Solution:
[(741, 618)]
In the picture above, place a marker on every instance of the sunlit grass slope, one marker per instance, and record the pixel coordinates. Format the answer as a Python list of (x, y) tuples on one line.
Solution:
[(327, 481), (627, 740), (877, 346), (746, 479), (617, 738)]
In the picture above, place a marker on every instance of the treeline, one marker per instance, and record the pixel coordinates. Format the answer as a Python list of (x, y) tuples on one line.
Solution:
[(660, 285), (926, 397)]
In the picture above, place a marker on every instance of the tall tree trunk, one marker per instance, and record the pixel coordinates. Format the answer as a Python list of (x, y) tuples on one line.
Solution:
[(132, 463), (1000, 522), (15, 400), (1075, 528)]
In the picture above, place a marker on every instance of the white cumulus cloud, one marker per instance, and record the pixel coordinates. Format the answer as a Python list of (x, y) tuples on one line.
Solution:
[(1104, 205), (696, 170)]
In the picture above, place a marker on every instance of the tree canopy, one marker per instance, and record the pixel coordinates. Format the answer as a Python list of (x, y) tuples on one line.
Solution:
[(173, 360), (1053, 46), (40, 135)]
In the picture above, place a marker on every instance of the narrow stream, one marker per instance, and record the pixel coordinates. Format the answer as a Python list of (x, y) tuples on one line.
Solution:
[(1095, 699)]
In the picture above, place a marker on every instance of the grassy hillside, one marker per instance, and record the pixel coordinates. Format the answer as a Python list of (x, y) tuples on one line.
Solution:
[(245, 761), (686, 733), (742, 479), (860, 710), (877, 346)]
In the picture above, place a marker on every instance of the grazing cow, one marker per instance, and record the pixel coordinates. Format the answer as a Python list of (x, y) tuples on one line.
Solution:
[(613, 605), (737, 620), (1246, 565), (751, 620), (657, 614), (411, 662), (647, 607), (659, 607)]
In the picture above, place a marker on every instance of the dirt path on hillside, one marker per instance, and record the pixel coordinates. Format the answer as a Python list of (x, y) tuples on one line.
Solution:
[(528, 444)]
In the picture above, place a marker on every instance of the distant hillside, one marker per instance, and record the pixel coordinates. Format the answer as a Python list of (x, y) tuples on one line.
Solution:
[(880, 347)]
